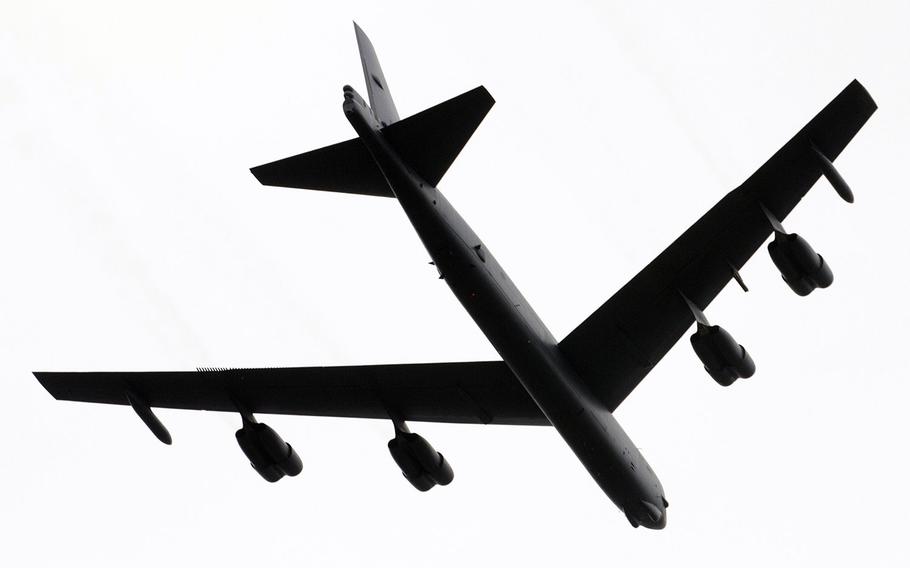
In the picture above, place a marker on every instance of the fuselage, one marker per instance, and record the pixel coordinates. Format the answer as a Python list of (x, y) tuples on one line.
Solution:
[(517, 333)]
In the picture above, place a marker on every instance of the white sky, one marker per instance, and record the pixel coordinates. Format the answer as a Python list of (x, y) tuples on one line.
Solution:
[(136, 239)]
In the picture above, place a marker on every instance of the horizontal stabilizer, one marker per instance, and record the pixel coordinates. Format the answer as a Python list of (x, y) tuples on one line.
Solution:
[(431, 140), (428, 142), (346, 167)]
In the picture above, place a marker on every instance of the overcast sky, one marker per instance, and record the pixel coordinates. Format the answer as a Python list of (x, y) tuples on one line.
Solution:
[(135, 238)]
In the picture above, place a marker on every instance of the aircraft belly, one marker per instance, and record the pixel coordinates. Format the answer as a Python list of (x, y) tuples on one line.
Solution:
[(531, 352), (521, 338), (592, 432)]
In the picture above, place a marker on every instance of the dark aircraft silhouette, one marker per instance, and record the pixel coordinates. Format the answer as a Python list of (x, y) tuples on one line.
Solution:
[(574, 384)]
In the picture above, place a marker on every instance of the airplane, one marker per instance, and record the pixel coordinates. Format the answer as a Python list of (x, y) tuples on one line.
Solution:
[(575, 384)]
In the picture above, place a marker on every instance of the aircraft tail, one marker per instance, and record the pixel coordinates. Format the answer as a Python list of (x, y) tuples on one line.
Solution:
[(380, 97), (428, 141)]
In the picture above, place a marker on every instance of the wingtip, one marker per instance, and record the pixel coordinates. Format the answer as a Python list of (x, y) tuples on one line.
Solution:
[(255, 170), (40, 375), (855, 85), (486, 92), (51, 383)]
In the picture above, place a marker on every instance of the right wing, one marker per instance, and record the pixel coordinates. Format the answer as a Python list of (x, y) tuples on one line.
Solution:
[(484, 392), (626, 337)]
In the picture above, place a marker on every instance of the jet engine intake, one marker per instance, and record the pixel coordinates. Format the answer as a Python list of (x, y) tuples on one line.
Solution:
[(724, 359), (801, 267), (269, 454), (420, 463)]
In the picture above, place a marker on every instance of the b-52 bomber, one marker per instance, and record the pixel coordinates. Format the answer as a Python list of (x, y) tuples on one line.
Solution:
[(573, 385)]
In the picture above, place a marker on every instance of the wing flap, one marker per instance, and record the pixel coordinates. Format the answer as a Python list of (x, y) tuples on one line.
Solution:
[(470, 392)]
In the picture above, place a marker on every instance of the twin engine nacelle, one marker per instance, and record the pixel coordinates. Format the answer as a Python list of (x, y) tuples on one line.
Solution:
[(269, 454), (801, 267), (420, 463), (723, 358)]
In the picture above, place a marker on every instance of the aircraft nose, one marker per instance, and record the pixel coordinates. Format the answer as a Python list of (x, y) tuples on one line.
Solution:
[(648, 515), (656, 515)]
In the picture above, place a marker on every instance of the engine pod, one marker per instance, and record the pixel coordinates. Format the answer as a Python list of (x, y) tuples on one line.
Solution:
[(800, 266), (724, 359), (268, 453), (270, 473), (420, 463), (409, 465), (291, 465)]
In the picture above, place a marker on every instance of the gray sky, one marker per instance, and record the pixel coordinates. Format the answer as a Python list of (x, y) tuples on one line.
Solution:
[(136, 239)]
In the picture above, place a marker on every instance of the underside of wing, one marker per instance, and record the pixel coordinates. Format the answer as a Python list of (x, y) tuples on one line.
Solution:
[(470, 392), (623, 339)]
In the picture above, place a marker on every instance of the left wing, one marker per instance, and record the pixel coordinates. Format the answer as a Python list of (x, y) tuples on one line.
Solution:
[(621, 342), (482, 392)]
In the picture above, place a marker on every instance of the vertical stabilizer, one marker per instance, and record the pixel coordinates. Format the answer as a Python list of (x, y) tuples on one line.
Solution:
[(378, 90)]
